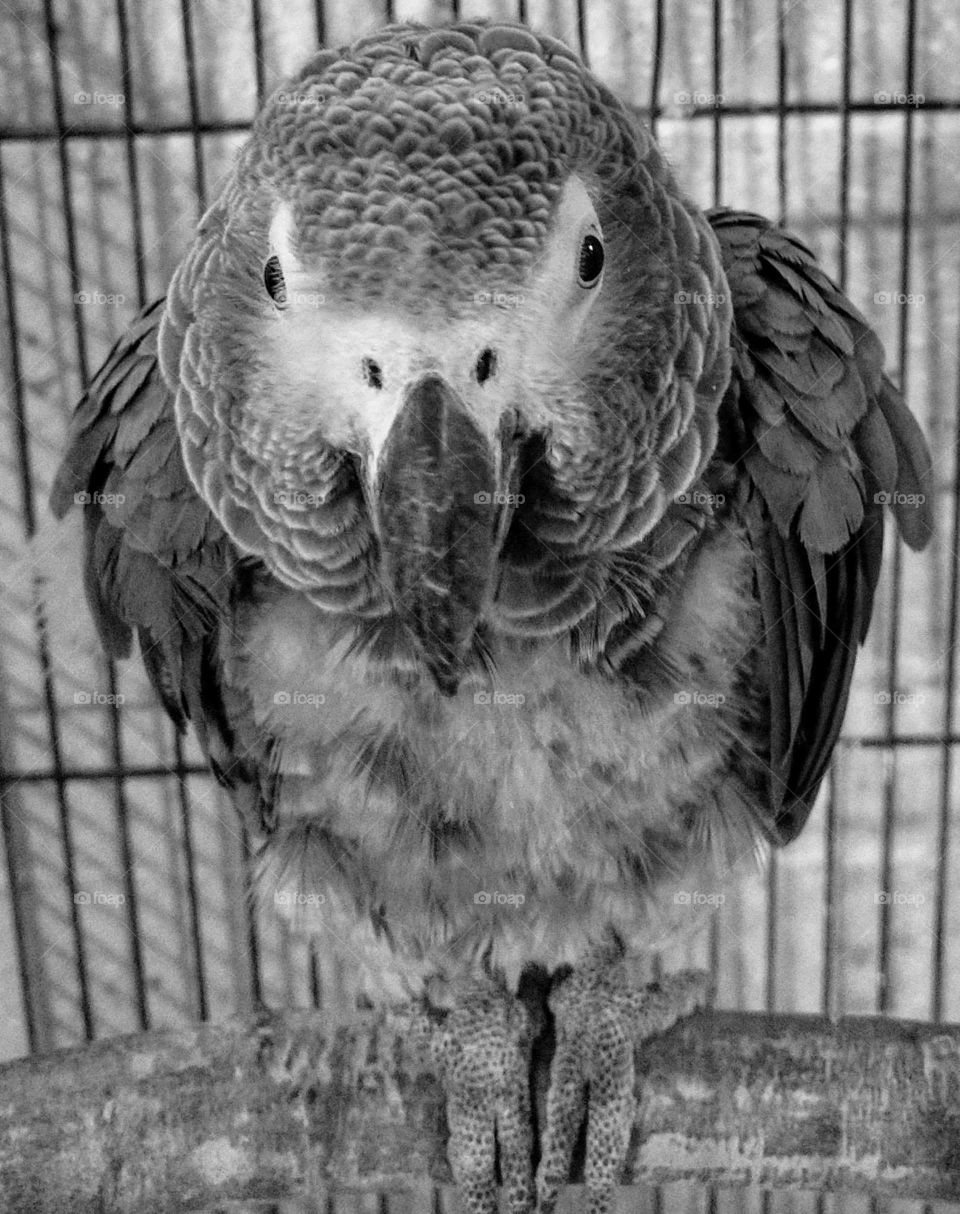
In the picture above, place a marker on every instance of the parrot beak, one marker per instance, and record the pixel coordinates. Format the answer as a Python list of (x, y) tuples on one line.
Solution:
[(439, 522)]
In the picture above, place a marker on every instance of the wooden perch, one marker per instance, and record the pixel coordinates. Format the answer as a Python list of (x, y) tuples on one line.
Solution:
[(278, 1107)]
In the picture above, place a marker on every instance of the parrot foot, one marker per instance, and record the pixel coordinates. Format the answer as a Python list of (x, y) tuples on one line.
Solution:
[(481, 1052), (600, 1016)]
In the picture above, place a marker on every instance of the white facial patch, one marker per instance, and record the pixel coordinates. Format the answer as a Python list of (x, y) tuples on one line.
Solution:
[(348, 368), (354, 367), (281, 240), (574, 217), (557, 304)]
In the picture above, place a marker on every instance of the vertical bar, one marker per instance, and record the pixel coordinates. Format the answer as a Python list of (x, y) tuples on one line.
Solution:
[(193, 900), (121, 808), (656, 72), (828, 1000), (773, 869), (27, 512), (136, 210), (654, 111), (256, 18), (781, 114), (15, 883), (116, 741), (770, 941), (316, 994), (193, 95), (582, 31), (133, 179), (133, 175), (522, 11), (713, 955), (893, 646), (831, 997), (717, 56), (321, 22), (389, 12), (30, 521), (773, 873), (846, 70), (66, 179), (253, 939), (946, 748)]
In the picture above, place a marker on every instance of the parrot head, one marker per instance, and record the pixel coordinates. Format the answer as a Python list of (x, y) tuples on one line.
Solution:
[(451, 343)]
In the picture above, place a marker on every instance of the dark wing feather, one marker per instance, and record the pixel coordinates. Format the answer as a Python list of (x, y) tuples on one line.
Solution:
[(822, 440), (156, 561)]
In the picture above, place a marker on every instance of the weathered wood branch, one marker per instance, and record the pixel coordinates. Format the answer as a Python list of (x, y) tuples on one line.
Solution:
[(280, 1107)]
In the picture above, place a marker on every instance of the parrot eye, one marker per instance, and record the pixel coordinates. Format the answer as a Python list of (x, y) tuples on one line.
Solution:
[(590, 264), (273, 280)]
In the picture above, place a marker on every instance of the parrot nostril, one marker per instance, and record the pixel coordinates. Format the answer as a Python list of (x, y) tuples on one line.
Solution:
[(486, 366), (372, 373)]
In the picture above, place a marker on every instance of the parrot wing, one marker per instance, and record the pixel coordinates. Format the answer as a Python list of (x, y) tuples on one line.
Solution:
[(819, 440), (156, 560)]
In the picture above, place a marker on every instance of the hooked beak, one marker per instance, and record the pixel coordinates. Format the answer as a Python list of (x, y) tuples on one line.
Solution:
[(441, 522)]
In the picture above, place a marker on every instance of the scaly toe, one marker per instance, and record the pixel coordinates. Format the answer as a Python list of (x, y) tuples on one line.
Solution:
[(481, 1051), (600, 1019)]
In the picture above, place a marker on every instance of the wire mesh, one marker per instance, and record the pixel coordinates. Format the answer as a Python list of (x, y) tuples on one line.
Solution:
[(123, 901)]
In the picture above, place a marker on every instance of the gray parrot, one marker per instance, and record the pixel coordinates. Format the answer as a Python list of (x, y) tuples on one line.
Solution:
[(506, 527)]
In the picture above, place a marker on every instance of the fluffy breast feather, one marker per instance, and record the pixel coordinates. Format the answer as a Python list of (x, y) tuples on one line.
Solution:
[(514, 822)]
